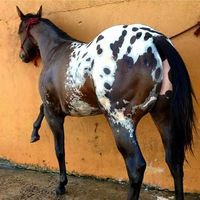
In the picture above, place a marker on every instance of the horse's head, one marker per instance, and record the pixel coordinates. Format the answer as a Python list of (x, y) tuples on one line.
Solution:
[(29, 49)]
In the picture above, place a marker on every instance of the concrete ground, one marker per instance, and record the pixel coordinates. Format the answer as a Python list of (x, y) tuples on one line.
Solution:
[(20, 184)]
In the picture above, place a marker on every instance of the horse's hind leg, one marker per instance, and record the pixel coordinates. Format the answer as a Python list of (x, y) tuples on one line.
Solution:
[(174, 153), (36, 125), (128, 146), (56, 124)]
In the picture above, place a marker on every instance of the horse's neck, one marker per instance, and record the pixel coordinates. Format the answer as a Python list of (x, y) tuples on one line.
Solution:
[(47, 40)]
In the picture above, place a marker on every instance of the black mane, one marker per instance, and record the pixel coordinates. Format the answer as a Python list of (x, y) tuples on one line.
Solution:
[(59, 32)]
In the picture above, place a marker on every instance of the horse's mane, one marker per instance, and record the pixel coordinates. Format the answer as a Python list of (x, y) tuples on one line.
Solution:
[(60, 32)]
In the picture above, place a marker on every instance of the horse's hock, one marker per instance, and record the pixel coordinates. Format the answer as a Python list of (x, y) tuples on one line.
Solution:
[(90, 146)]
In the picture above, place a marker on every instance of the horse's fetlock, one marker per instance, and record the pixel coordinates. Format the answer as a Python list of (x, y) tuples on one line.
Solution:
[(63, 180)]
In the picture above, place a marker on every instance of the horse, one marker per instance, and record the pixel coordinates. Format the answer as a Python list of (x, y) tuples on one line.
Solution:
[(126, 72)]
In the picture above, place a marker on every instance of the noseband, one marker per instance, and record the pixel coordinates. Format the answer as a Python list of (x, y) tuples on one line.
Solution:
[(30, 22)]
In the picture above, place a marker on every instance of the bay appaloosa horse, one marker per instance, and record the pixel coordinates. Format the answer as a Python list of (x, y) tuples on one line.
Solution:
[(126, 72)]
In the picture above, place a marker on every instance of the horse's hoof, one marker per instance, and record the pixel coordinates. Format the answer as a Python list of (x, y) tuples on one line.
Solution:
[(60, 190), (35, 138)]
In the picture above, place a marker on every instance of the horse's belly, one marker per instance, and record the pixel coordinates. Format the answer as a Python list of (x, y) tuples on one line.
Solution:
[(79, 107), (80, 99)]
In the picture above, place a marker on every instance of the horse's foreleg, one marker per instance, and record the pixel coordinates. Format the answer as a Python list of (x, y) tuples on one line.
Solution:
[(37, 124), (128, 146), (56, 124), (174, 152)]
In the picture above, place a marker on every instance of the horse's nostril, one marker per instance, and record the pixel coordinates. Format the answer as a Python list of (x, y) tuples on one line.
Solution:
[(22, 56)]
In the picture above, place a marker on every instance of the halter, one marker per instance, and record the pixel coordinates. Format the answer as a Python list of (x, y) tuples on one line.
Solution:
[(30, 23)]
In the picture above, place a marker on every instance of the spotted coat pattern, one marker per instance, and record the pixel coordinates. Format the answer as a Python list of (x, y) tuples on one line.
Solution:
[(117, 50)]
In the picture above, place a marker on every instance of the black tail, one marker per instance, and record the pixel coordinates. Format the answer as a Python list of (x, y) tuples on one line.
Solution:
[(182, 110)]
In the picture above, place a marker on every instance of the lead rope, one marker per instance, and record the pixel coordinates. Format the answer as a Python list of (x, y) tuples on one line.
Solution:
[(197, 32)]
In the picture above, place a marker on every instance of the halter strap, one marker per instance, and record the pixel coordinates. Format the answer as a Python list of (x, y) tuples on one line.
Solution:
[(30, 22)]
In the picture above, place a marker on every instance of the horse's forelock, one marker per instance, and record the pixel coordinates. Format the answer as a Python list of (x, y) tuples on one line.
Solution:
[(25, 20)]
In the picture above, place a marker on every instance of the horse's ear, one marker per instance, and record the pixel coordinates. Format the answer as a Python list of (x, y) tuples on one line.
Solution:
[(39, 13), (20, 13)]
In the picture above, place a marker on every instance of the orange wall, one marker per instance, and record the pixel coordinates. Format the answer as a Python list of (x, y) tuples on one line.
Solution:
[(89, 142)]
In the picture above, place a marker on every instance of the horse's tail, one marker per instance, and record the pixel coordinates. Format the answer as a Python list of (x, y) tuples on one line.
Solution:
[(182, 110)]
